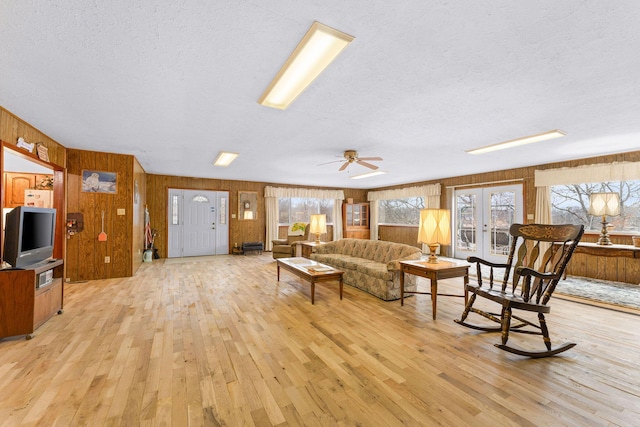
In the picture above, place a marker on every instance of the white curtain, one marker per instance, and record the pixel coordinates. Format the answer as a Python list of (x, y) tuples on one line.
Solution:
[(543, 205), (272, 194), (601, 172), (430, 194), (337, 219), (271, 206), (373, 220)]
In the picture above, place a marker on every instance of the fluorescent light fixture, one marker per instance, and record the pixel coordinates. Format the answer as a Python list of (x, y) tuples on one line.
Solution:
[(224, 159), (367, 175), (317, 49), (520, 141)]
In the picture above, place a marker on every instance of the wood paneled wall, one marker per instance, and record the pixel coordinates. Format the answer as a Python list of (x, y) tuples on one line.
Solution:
[(610, 268), (239, 230), (139, 202), (11, 128), (85, 254)]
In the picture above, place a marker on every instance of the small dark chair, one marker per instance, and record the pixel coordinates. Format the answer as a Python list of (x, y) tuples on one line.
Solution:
[(538, 256)]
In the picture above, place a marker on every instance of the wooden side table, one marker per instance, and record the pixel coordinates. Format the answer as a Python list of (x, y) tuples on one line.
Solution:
[(440, 270), (306, 248)]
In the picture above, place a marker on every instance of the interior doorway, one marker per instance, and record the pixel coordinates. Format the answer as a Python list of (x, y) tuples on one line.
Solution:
[(482, 220), (198, 223)]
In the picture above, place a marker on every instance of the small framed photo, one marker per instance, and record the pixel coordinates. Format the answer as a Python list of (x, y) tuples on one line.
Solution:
[(99, 182)]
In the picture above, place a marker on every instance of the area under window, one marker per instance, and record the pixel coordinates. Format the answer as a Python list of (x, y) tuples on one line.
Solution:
[(295, 209), (405, 211), (570, 205)]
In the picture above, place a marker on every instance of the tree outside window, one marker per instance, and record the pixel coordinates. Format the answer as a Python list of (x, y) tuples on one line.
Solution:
[(405, 211), (570, 205), (297, 209)]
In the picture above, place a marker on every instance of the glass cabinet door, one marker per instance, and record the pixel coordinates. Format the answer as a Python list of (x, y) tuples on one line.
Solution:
[(350, 215)]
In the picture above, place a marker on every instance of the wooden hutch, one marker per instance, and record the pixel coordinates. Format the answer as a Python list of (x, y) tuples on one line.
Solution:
[(355, 220)]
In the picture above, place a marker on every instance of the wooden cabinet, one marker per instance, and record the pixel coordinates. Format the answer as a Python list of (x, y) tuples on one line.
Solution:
[(24, 305), (16, 183), (305, 249), (355, 220)]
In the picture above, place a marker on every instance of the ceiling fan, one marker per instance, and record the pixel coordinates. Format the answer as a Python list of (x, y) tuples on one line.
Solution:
[(351, 156)]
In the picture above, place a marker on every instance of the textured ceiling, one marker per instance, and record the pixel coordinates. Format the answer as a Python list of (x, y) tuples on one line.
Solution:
[(175, 82)]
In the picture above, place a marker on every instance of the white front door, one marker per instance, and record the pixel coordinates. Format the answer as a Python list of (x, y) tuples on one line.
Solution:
[(198, 223), (482, 221)]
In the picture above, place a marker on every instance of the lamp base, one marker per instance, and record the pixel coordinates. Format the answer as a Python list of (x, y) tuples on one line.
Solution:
[(317, 238), (604, 235), (433, 259)]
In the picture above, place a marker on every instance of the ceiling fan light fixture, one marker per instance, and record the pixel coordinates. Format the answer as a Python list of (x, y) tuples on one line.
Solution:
[(224, 159), (317, 49), (517, 142), (367, 175)]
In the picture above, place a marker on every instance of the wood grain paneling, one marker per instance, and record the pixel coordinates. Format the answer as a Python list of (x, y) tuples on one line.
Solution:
[(85, 254), (12, 127), (239, 231), (139, 202)]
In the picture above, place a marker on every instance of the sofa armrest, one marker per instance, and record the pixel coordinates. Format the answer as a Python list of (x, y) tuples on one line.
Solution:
[(393, 265), (280, 242)]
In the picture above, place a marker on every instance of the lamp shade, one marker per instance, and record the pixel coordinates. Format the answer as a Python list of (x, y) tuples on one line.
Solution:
[(604, 204), (318, 224), (434, 226)]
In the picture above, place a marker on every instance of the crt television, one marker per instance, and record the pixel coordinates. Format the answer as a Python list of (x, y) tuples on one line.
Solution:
[(29, 235)]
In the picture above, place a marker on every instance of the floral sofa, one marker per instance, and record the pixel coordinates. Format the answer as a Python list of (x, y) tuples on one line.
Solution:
[(370, 265)]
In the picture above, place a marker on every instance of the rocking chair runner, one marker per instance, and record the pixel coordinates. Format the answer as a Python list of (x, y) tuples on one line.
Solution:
[(538, 255)]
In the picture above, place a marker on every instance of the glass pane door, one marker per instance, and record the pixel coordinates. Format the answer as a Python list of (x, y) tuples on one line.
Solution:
[(483, 217)]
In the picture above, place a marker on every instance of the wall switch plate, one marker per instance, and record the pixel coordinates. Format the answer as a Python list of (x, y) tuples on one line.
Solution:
[(121, 211), (530, 216), (233, 215), (107, 259)]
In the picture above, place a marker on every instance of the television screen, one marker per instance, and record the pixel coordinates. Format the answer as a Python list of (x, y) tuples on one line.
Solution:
[(29, 235)]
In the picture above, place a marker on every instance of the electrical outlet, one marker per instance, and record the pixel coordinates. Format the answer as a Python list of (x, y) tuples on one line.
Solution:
[(107, 259)]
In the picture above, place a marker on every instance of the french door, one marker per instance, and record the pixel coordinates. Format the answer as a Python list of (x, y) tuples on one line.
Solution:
[(198, 223), (482, 220)]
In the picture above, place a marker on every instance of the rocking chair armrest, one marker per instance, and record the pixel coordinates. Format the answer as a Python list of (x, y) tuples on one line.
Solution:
[(526, 271), (473, 259)]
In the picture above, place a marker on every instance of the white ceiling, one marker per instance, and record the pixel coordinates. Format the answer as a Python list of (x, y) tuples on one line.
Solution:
[(175, 82)]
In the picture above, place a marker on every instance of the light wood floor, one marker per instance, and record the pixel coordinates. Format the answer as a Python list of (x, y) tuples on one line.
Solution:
[(223, 343)]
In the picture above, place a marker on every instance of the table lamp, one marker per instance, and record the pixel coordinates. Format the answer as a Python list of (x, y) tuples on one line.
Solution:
[(603, 204), (318, 225), (434, 229)]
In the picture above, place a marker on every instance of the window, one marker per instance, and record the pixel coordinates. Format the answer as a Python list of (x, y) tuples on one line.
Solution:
[(295, 209), (405, 211), (570, 204)]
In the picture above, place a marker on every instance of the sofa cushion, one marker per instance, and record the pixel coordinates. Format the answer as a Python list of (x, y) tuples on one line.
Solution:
[(374, 269)]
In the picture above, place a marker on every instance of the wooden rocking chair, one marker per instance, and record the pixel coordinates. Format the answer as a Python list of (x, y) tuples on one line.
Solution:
[(538, 256)]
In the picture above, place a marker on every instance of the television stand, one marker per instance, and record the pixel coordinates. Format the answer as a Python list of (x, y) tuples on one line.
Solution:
[(30, 297)]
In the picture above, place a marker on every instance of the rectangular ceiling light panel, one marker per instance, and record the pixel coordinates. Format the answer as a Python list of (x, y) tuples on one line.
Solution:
[(368, 174), (224, 159), (520, 141), (317, 49)]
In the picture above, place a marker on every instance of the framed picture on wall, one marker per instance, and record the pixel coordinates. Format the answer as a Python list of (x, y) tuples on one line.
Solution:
[(99, 182)]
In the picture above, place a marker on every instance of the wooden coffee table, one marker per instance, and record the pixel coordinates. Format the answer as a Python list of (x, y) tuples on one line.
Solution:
[(440, 270), (311, 271)]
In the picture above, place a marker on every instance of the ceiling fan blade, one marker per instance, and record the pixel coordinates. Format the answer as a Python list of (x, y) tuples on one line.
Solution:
[(369, 165), (371, 158), (327, 163), (343, 167)]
